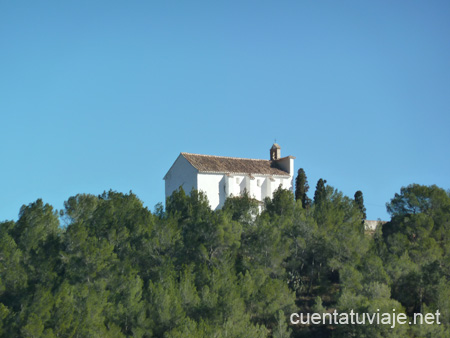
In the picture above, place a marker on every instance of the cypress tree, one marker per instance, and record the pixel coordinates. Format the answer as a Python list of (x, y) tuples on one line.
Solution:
[(301, 188), (359, 200), (320, 193)]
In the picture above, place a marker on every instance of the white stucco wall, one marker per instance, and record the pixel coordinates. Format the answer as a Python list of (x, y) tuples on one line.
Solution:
[(229, 186), (218, 187), (236, 184), (266, 188), (287, 164), (183, 174), (255, 191), (214, 185)]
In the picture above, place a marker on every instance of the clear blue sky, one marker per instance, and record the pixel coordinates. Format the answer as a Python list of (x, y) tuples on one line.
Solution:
[(99, 95)]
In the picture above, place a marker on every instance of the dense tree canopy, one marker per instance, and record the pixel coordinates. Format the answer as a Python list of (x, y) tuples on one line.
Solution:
[(105, 266)]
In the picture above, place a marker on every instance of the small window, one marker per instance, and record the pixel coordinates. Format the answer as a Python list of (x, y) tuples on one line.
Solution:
[(258, 182), (237, 180)]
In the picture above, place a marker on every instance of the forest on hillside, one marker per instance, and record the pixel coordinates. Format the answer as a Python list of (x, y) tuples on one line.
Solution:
[(106, 266)]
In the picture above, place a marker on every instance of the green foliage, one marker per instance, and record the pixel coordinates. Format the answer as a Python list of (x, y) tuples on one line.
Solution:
[(359, 200), (37, 224), (374, 298), (14, 282), (114, 269), (415, 199), (263, 247), (320, 193), (415, 244), (301, 189), (281, 329), (243, 209), (281, 204)]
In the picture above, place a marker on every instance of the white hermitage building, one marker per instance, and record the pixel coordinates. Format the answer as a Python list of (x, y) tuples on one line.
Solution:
[(220, 177)]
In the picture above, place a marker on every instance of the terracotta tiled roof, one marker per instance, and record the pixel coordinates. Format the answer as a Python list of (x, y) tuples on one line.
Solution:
[(221, 164)]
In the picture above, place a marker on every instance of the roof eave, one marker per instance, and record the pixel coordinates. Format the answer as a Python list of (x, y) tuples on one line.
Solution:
[(237, 173), (283, 158)]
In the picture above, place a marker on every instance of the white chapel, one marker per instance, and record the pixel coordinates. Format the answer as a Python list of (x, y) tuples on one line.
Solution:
[(220, 177)]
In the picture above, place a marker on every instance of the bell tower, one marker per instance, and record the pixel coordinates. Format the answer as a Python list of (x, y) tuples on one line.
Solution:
[(275, 152)]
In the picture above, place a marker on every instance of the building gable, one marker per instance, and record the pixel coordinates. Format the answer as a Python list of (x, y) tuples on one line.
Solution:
[(181, 174)]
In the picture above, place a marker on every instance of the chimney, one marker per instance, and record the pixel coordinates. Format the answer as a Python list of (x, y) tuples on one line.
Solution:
[(275, 152)]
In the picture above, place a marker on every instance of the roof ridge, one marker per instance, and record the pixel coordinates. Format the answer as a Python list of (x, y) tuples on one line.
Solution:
[(234, 158)]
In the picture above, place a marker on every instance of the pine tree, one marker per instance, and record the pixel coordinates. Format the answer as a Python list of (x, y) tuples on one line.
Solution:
[(301, 188), (359, 200), (281, 330)]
